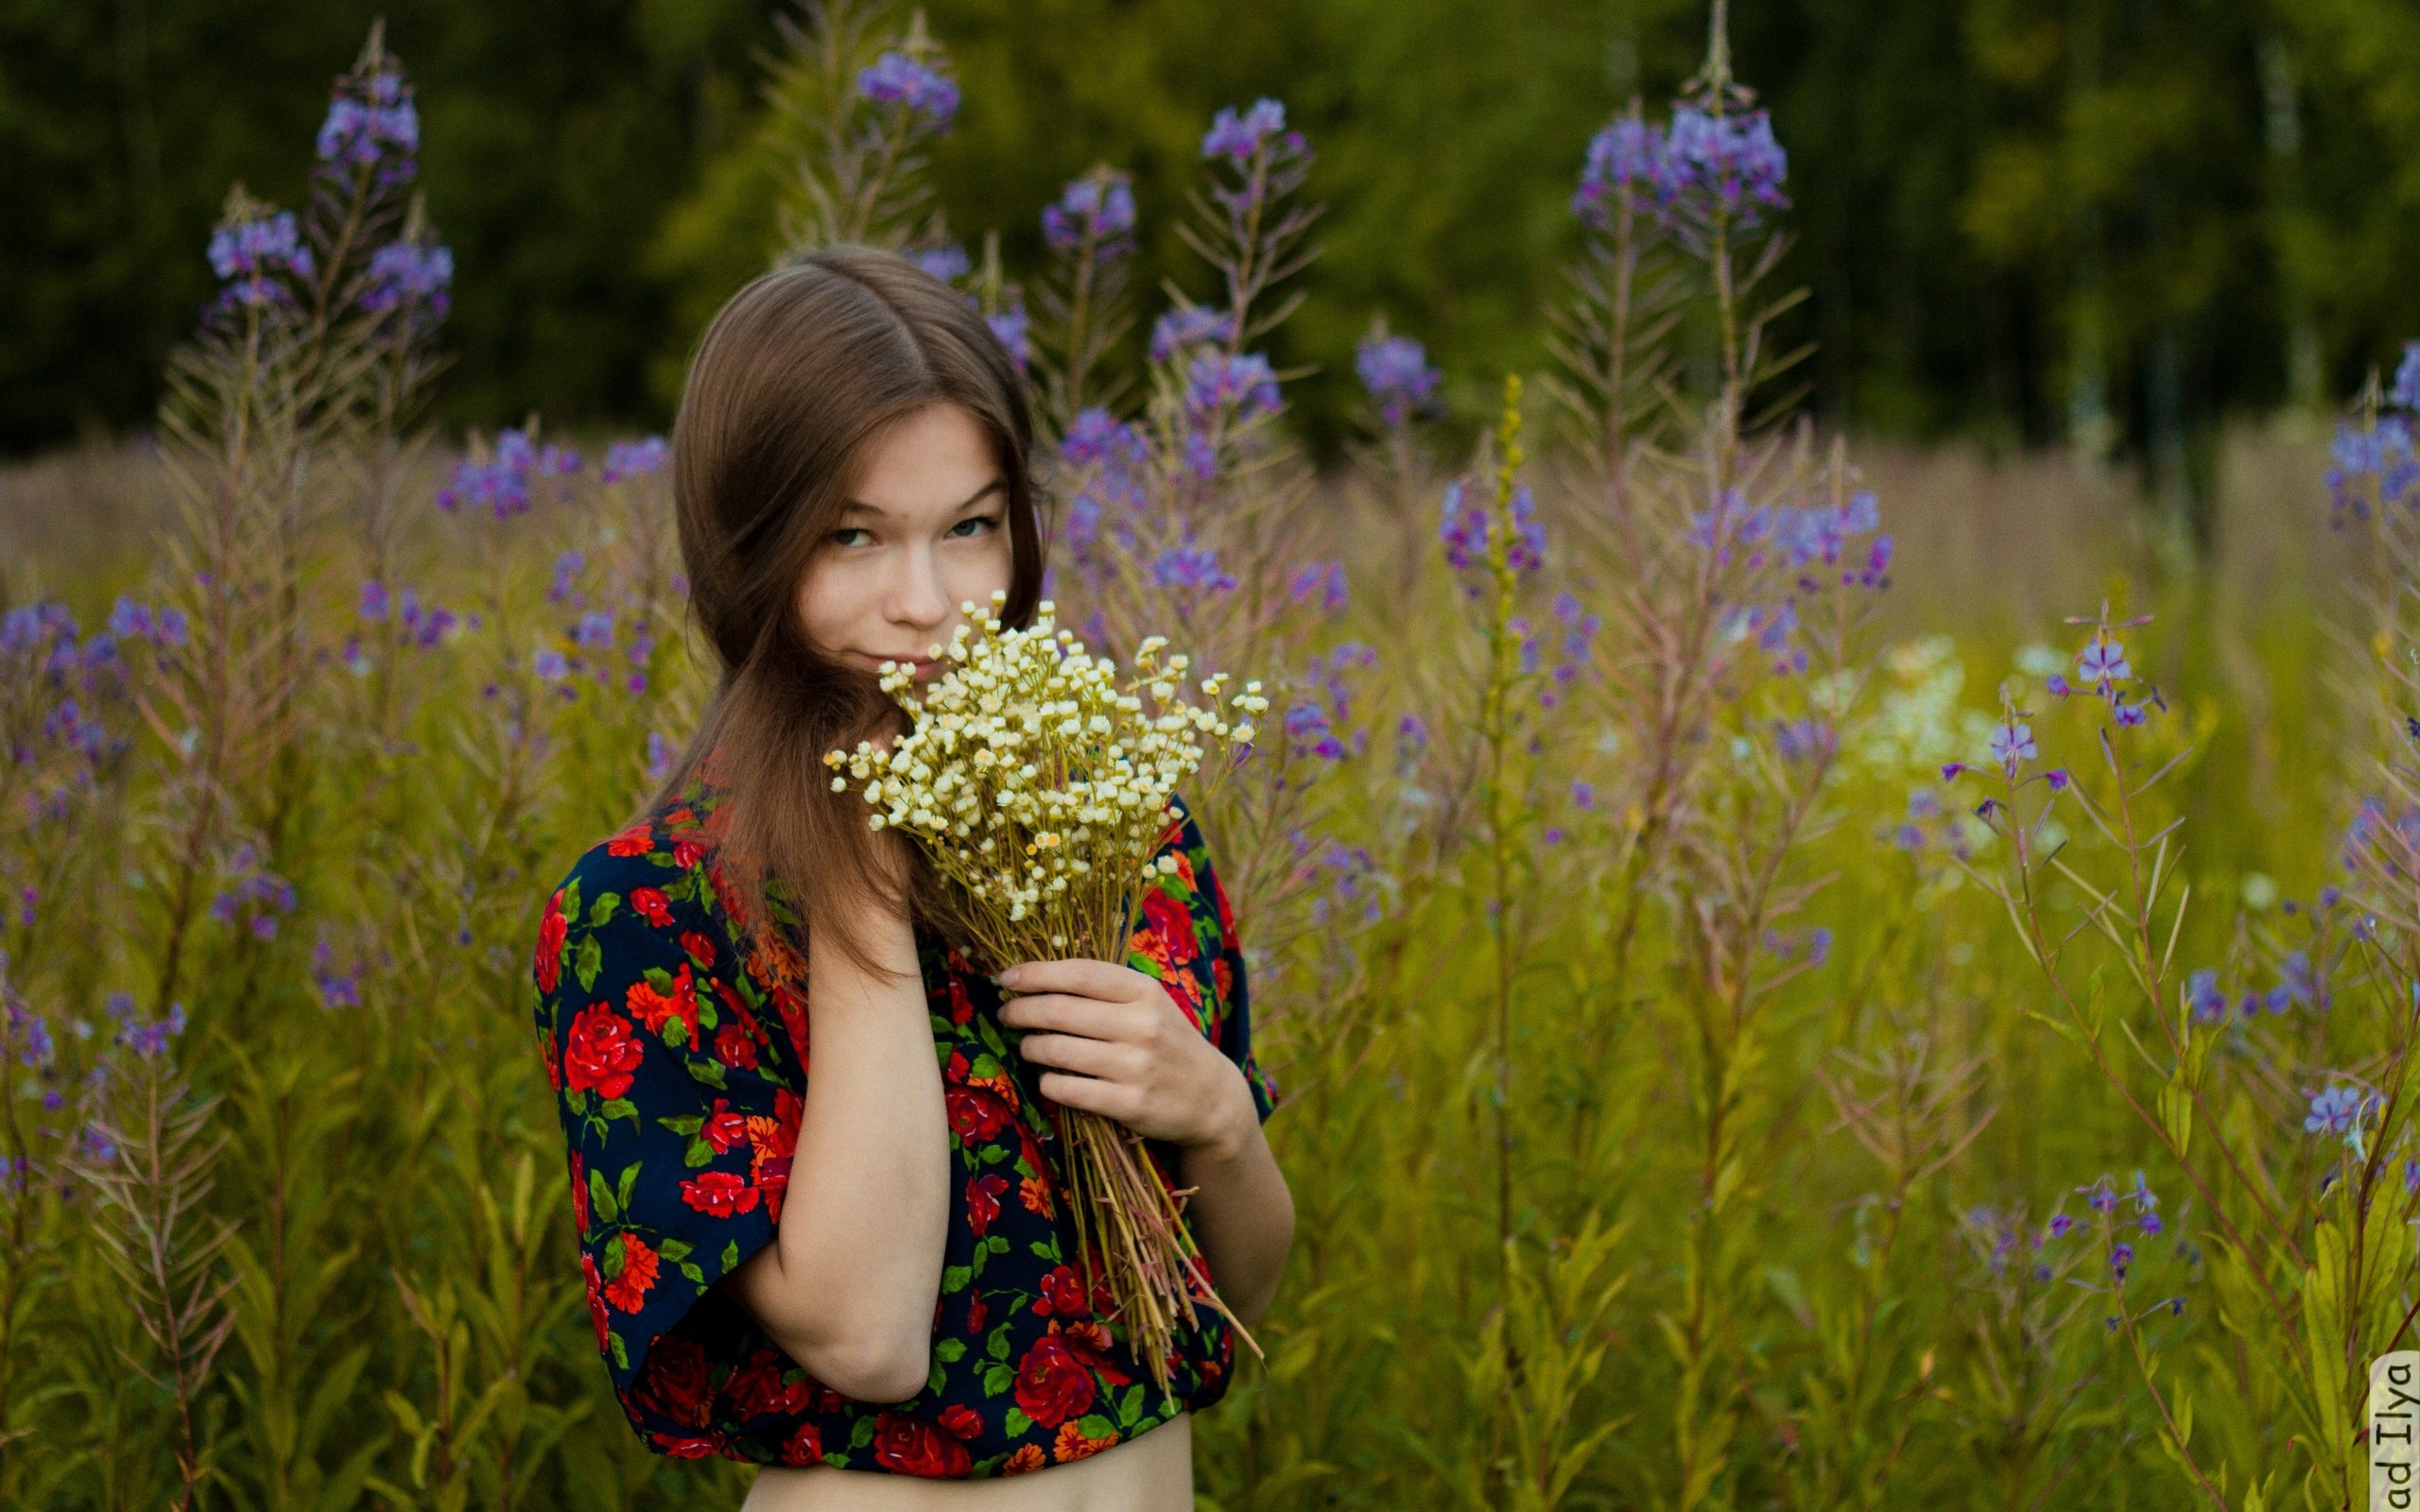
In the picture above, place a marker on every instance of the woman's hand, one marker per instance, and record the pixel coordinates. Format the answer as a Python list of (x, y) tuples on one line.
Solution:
[(1119, 1046)]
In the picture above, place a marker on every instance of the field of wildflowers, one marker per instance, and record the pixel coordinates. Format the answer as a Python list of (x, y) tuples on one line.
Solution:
[(1737, 1049)]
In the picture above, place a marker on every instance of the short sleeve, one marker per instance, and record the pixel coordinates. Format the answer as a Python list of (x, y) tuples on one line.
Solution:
[(678, 1123), (1190, 924)]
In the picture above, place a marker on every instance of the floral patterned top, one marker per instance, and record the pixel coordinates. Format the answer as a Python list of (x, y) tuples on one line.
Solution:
[(676, 1040)]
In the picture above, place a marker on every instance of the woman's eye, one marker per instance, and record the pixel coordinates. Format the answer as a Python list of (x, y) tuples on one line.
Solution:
[(853, 530), (992, 521)]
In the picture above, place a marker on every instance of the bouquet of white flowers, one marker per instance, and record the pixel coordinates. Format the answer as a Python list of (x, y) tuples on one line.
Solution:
[(1038, 786)]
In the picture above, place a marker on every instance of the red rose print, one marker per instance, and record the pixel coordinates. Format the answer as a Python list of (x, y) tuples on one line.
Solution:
[(701, 949), (652, 903), (1226, 915), (1091, 1342), (805, 1448), (602, 1053), (1025, 1461), (757, 1389), (1062, 1294), (983, 1201), (629, 1290), (962, 1005), (686, 853), (976, 1116), (552, 930), (1223, 976), (578, 1193), (1052, 1384), (718, 1193), (554, 1062), (976, 1313), (1173, 922), (637, 841), (676, 1381), (676, 1447), (911, 1446), (656, 1008), (595, 1299), (960, 1421), (725, 1128), (734, 1047), (1186, 990)]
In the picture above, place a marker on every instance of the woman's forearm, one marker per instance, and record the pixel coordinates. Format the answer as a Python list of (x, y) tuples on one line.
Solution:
[(1242, 1214), (847, 1288)]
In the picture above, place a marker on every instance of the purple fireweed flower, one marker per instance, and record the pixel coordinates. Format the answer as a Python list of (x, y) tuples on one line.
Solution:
[(1237, 137), (2379, 457), (896, 78), (1584, 794), (1306, 724), (375, 604), (947, 262), (501, 484), (1245, 381), (1798, 740), (2129, 714), (2406, 392), (338, 989), (567, 570), (1325, 579), (372, 124), (2101, 1196), (2061, 1225), (2103, 664), (1728, 165), (2012, 743), (635, 458), (1098, 437), (1009, 327), (550, 665), (2298, 983), (2202, 996), (251, 255), (402, 271), (594, 631), (1527, 550), (1624, 169), (1187, 326), (2120, 1256), (1395, 371), (1099, 205), (661, 754), (2338, 1109), (1192, 566), (150, 1041), (1411, 742)]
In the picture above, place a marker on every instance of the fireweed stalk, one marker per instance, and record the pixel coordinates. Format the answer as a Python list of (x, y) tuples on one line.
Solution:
[(2311, 1241), (1038, 787)]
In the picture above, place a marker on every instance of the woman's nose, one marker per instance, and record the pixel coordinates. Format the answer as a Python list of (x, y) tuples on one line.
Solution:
[(917, 596)]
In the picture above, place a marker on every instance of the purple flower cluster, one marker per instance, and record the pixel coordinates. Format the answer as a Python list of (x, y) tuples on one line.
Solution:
[(1323, 580), (408, 273), (146, 1039), (1189, 326), (1580, 627), (2208, 1003), (947, 262), (1098, 207), (1395, 372), (254, 897), (423, 625), (372, 124), (2100, 668), (130, 620), (1110, 462), (253, 255), (1702, 169), (1466, 529), (630, 460), (336, 988), (1193, 567), (1801, 540), (2341, 1110), (1240, 138), (2405, 394), (2378, 461), (918, 87), (1313, 722), (1217, 380), (1009, 328), (2104, 1198), (501, 484), (1348, 878)]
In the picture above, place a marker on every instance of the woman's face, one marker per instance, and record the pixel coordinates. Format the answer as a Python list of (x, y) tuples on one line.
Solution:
[(924, 530)]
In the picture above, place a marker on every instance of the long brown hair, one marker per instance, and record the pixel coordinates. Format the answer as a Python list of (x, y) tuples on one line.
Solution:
[(791, 382)]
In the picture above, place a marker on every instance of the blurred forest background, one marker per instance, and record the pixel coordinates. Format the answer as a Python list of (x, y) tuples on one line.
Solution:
[(2115, 224)]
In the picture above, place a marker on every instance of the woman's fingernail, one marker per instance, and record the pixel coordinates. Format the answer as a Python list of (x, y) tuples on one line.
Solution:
[(1007, 978)]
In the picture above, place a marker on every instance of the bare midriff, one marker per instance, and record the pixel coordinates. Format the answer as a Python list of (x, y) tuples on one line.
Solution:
[(1150, 1472)]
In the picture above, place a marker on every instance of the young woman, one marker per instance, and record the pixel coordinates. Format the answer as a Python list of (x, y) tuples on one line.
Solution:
[(866, 1279)]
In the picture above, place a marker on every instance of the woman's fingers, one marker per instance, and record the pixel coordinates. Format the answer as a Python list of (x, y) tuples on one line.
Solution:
[(1106, 1060), (1094, 1018)]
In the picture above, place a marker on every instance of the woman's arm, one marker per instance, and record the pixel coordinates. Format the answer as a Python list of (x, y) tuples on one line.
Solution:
[(847, 1287), (1242, 1213)]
